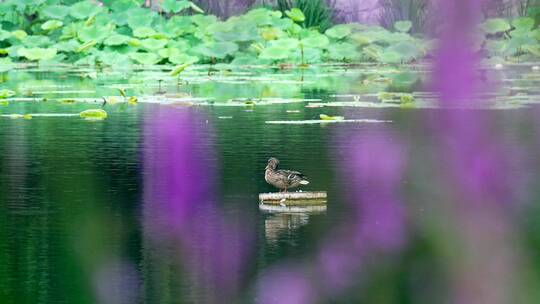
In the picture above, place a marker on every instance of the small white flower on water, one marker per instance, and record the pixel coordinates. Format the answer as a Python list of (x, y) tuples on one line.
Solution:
[(536, 68), (498, 66)]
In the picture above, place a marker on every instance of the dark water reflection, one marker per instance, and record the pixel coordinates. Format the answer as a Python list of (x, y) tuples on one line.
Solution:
[(158, 204)]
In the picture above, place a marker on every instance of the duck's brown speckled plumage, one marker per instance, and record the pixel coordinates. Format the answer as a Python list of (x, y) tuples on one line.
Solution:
[(283, 179)]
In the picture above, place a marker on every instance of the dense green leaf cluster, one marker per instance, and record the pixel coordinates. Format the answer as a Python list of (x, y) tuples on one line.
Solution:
[(515, 40), (122, 32)]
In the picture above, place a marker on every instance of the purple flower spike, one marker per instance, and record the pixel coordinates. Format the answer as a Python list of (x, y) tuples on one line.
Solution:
[(285, 285), (180, 210), (378, 162)]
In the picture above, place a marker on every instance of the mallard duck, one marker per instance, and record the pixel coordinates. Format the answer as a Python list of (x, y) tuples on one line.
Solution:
[(283, 179)]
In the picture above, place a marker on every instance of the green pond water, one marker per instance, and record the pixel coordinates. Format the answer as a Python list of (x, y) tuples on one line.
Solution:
[(72, 191)]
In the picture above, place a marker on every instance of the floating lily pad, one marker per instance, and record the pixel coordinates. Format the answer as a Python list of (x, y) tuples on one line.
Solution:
[(328, 117), (309, 122), (6, 64), (94, 114), (5, 93)]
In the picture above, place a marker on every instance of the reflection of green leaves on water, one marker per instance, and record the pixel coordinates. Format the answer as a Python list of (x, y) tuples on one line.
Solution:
[(5, 93)]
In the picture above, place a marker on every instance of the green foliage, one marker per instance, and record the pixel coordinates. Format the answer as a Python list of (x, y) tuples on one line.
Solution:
[(515, 40), (495, 25), (97, 114), (123, 32), (403, 26)]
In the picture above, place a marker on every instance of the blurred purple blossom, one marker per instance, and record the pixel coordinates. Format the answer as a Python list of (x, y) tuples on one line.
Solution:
[(476, 164), (286, 284), (181, 207)]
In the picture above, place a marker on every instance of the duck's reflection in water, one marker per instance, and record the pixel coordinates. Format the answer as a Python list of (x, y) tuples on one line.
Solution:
[(277, 225)]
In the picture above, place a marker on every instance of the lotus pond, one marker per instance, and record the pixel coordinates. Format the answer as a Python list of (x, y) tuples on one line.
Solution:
[(157, 201)]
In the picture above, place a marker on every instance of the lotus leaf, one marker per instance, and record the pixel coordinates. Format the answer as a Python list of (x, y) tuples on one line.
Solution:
[(406, 49), (124, 5), (168, 52), (54, 12), (286, 43), (275, 53), (183, 59), (403, 26), (203, 21), (174, 6), (134, 42), (259, 17), (153, 44), (343, 51), (114, 58), (145, 58), (35, 54), (4, 93), (316, 41), (339, 31), (139, 17), (245, 59), (144, 32), (116, 39), (67, 46), (296, 15), (5, 64), (36, 41), (51, 25), (19, 34), (83, 10), (94, 114), (523, 23), (217, 49), (390, 56), (271, 33), (93, 33), (328, 117), (4, 35)]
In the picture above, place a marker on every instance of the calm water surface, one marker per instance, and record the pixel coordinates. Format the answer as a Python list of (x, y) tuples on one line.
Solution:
[(81, 202)]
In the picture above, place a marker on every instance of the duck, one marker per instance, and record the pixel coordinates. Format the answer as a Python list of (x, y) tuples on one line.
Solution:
[(283, 179)]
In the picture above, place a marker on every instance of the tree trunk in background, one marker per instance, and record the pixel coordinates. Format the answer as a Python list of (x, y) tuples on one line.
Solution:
[(396, 10), (225, 8), (366, 11)]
